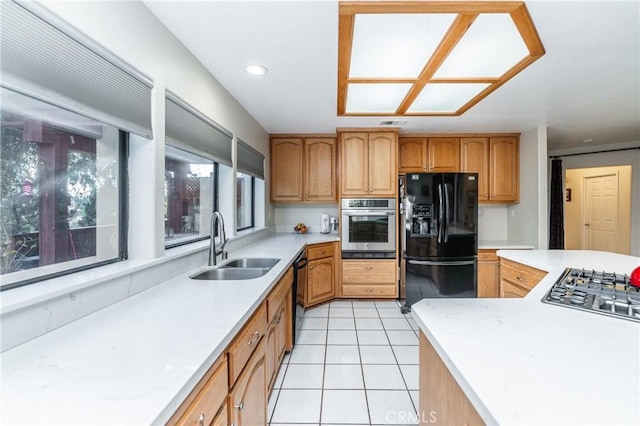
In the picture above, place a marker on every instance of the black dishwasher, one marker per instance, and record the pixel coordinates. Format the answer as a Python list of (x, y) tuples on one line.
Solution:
[(299, 286)]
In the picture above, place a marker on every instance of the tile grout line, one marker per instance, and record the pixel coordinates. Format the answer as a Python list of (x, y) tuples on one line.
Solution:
[(364, 383)]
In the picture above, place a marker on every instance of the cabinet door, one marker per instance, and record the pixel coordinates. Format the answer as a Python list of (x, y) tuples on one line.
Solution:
[(248, 399), (286, 170), (412, 155), (354, 164), (320, 170), (383, 180), (474, 158), (444, 155), (281, 334), (504, 172), (488, 274), (320, 281), (271, 354)]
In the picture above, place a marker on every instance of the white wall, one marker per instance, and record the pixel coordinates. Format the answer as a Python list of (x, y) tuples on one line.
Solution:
[(287, 216), (604, 159), (492, 222), (527, 222)]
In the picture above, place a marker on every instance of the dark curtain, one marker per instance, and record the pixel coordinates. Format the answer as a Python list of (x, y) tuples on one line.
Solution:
[(556, 220)]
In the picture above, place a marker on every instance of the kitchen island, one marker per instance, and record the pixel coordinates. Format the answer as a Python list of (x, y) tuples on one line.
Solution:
[(136, 361), (520, 361)]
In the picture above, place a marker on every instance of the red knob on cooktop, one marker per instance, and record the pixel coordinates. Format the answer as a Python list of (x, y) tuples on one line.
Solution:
[(634, 278)]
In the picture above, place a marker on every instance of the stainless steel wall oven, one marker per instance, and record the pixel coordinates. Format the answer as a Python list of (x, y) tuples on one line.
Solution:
[(368, 228)]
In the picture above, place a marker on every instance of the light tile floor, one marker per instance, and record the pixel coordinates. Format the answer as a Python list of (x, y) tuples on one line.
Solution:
[(354, 363)]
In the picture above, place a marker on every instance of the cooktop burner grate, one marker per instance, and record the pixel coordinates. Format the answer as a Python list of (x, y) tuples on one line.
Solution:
[(596, 291)]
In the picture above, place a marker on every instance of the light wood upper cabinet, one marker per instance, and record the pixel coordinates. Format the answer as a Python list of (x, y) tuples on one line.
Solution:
[(320, 169), (504, 174), (444, 155), (368, 164), (412, 155), (287, 169), (303, 169), (474, 158)]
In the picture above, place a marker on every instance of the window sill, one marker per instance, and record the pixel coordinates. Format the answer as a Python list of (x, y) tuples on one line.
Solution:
[(22, 297)]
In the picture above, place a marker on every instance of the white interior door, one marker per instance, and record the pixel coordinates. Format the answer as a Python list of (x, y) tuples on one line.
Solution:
[(601, 212)]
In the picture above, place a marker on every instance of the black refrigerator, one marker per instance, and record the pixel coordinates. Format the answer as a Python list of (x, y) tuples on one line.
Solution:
[(439, 236)]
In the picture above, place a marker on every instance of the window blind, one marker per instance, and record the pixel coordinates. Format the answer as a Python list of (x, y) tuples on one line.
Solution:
[(42, 60), (188, 129), (250, 161)]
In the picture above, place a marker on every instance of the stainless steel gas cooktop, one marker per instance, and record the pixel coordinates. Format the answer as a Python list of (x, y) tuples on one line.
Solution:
[(595, 291)]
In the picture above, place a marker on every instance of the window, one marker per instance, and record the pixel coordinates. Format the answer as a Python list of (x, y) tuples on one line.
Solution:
[(61, 197), (189, 196), (245, 200)]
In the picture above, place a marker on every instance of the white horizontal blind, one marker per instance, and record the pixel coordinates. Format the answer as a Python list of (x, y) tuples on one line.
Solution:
[(188, 129), (41, 61), (250, 161)]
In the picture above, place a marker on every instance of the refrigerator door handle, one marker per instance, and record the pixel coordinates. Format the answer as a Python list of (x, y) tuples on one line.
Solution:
[(446, 216), (440, 214), (439, 263)]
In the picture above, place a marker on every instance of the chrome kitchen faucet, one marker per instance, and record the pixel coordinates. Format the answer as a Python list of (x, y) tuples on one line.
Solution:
[(217, 219)]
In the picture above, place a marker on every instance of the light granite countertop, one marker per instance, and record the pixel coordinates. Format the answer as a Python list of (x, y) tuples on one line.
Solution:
[(134, 362), (523, 362), (503, 245)]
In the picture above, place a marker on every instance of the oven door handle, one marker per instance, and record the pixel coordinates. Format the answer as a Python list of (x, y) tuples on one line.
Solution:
[(368, 213)]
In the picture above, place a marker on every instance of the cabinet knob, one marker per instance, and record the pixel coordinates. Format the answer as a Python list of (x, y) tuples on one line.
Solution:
[(587, 224), (519, 278), (256, 336), (311, 267), (322, 252), (201, 419), (368, 268), (240, 406)]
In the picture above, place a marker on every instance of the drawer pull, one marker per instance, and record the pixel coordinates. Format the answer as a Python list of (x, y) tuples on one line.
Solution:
[(256, 337), (369, 290), (519, 278), (368, 268), (278, 320), (240, 406), (201, 419), (322, 252)]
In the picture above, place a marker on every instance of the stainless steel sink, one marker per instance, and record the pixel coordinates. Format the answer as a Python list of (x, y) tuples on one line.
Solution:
[(230, 274), (251, 262)]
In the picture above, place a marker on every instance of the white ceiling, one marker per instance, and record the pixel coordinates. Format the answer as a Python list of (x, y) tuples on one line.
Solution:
[(586, 86)]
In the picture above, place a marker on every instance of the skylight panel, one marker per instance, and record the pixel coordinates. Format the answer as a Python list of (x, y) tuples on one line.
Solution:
[(445, 97), (375, 98), (395, 45), (489, 48)]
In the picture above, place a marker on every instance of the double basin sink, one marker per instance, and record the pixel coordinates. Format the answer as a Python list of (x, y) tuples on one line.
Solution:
[(246, 268)]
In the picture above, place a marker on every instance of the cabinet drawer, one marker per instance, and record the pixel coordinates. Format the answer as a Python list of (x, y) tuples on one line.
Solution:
[(279, 294), (511, 290), (487, 255), (245, 343), (366, 272), (320, 251), (522, 275), (209, 395), (368, 290)]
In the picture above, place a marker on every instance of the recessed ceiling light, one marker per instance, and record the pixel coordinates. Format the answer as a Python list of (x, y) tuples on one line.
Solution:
[(257, 69)]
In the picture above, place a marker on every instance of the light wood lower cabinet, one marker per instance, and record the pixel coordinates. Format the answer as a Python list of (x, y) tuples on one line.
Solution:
[(369, 278), (236, 388), (206, 400), (488, 273), (516, 279), (442, 401), (248, 399), (320, 274)]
